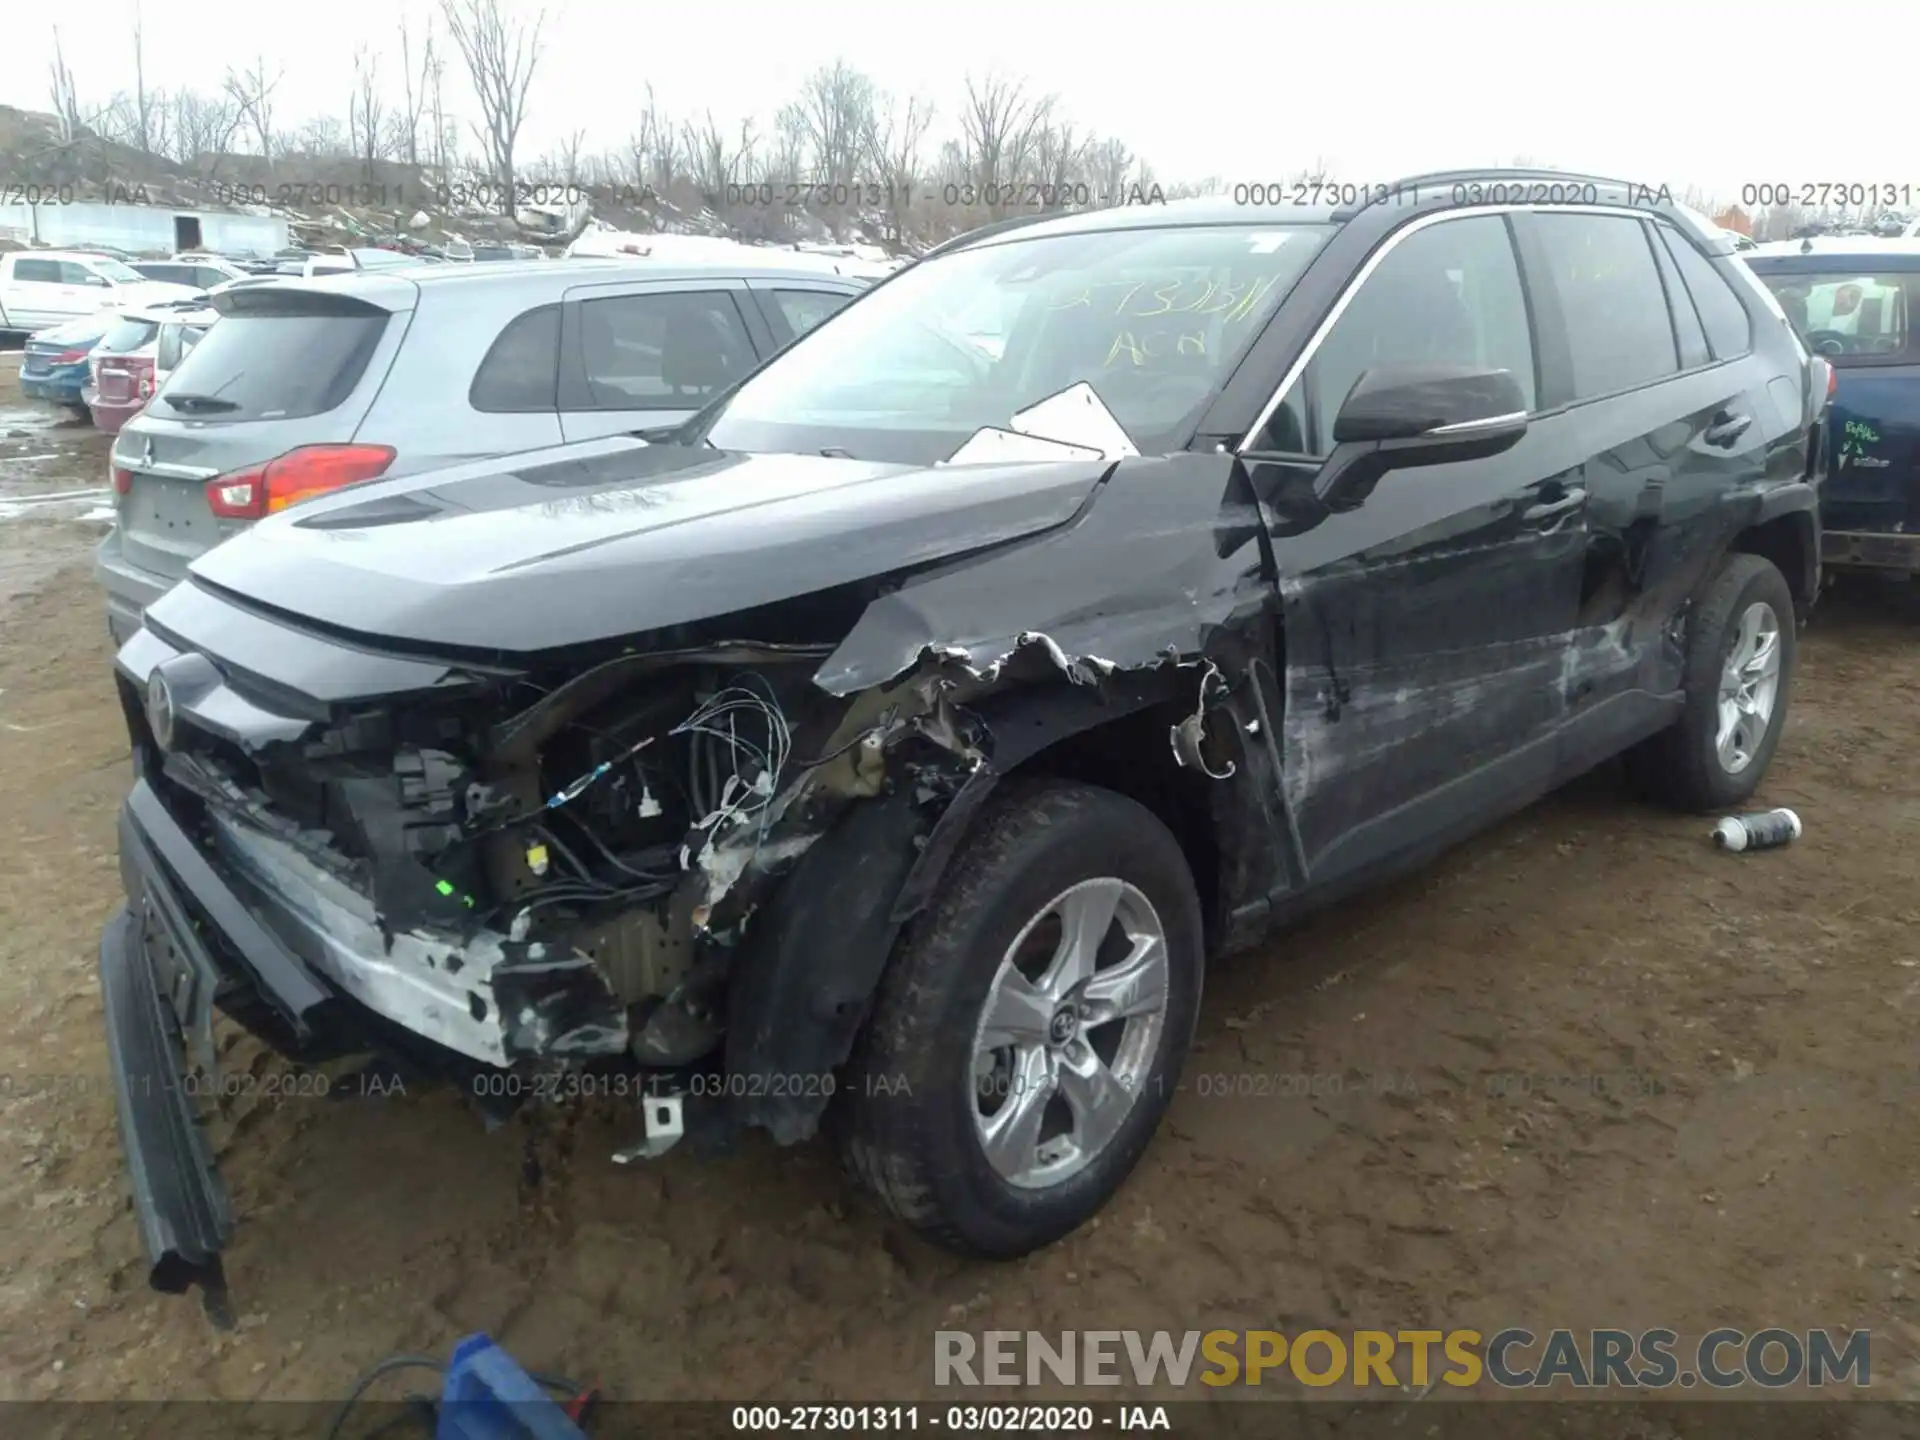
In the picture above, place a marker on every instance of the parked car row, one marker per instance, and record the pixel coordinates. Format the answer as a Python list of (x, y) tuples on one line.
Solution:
[(877, 715)]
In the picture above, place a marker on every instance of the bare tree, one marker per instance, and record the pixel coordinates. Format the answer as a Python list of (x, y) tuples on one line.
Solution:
[(893, 144), (445, 134), (366, 110), (142, 118), (659, 157), (66, 98), (570, 157), (1058, 166), (715, 163), (415, 86), (501, 56), (1000, 124), (835, 110), (202, 127), (321, 138), (252, 91), (1109, 170)]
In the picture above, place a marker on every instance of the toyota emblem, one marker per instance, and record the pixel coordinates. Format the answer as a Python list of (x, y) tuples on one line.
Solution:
[(160, 710)]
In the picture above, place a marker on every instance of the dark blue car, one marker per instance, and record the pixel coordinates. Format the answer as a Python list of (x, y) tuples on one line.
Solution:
[(54, 365), (1854, 300)]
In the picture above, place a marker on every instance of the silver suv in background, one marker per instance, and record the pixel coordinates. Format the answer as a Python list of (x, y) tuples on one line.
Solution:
[(308, 385)]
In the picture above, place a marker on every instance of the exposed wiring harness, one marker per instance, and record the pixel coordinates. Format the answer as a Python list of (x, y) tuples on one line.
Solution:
[(425, 1409), (736, 733)]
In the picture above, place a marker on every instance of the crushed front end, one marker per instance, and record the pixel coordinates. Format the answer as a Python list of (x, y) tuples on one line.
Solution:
[(466, 867)]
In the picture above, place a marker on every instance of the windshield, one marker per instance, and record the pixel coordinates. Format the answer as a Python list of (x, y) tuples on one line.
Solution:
[(1153, 319), (116, 272), (1845, 314)]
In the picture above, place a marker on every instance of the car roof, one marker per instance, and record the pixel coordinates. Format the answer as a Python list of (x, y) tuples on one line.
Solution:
[(1410, 195), (1838, 246), (397, 287), (65, 255)]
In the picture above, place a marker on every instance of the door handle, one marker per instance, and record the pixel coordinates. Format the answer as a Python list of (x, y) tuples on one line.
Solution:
[(1554, 510), (1727, 428)]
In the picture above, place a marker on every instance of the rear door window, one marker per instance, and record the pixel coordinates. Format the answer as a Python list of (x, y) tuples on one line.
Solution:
[(1618, 329), (279, 367), (37, 272), (521, 371), (662, 351)]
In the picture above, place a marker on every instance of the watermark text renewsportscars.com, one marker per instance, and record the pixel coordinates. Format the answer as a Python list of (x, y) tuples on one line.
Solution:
[(1514, 1358)]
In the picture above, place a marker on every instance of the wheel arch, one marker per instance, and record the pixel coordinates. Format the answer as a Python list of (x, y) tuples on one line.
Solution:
[(802, 984)]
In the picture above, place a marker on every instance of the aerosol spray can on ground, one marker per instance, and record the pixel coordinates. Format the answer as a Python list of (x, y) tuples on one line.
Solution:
[(1761, 830)]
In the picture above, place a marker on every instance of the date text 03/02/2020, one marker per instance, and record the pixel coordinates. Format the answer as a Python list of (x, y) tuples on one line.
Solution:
[(1345, 194), (955, 1419), (1010, 196)]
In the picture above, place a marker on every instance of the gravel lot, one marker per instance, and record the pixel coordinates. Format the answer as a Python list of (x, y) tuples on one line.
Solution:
[(1632, 1082)]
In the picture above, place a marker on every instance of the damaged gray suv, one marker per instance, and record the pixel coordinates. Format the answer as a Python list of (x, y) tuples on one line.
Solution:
[(888, 748)]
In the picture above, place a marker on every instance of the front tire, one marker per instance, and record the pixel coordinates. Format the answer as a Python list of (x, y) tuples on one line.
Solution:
[(1030, 1030), (1739, 672)]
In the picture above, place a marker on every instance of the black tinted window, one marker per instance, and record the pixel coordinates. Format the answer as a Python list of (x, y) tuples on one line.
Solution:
[(662, 352), (125, 336), (1687, 329), (279, 367), (1448, 294), (1729, 328), (1603, 270), (73, 274), (804, 309), (44, 272), (522, 367), (171, 274)]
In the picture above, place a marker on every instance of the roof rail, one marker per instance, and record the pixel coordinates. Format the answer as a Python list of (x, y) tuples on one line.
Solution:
[(1508, 172), (986, 232)]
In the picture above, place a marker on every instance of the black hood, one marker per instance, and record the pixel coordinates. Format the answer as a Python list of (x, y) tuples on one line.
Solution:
[(611, 538)]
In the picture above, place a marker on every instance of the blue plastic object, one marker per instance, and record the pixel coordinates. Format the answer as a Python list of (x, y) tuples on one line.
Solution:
[(487, 1396)]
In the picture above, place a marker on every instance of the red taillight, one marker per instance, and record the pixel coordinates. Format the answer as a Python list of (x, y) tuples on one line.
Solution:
[(295, 476), (70, 357), (122, 481), (1833, 382)]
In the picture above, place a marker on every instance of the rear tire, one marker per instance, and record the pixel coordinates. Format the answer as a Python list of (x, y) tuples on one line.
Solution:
[(987, 1036), (1739, 663)]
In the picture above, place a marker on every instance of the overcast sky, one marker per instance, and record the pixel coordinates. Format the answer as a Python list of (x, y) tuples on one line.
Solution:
[(1683, 91)]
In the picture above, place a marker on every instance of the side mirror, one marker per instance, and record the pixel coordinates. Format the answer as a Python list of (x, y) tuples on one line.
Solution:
[(99, 280), (1408, 415)]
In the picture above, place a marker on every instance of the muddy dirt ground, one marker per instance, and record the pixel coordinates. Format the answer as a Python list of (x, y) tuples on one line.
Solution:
[(1590, 1072)]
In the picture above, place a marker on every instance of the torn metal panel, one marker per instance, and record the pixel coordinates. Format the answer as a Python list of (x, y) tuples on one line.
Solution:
[(1165, 555)]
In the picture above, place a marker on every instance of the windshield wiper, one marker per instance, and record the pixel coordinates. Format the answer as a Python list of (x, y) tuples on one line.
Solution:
[(200, 402)]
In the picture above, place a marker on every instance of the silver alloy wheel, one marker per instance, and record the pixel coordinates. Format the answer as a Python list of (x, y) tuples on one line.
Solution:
[(1749, 687), (1063, 1046)]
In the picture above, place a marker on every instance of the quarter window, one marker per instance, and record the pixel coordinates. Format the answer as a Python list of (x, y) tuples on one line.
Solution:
[(662, 351), (522, 368), (1446, 294), (1618, 329), (1687, 329), (1729, 327)]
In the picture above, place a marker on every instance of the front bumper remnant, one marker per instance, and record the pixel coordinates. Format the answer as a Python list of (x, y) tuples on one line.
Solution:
[(178, 1198), (158, 978)]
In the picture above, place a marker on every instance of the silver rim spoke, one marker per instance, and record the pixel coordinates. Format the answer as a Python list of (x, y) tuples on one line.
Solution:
[(1068, 1032), (1749, 688)]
